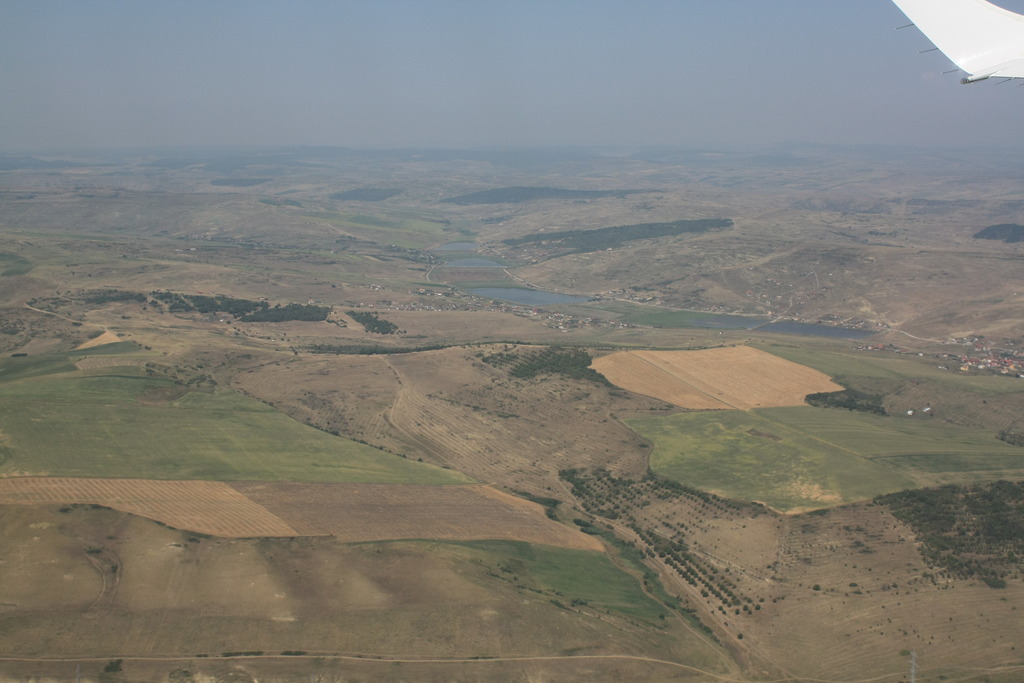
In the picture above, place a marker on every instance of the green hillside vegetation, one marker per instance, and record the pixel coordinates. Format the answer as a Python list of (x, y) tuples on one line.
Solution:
[(12, 264), (967, 530), (1006, 232), (1013, 437), (850, 399), (288, 312), (104, 296), (514, 195), (184, 303), (609, 238), (372, 322), (556, 360), (125, 424)]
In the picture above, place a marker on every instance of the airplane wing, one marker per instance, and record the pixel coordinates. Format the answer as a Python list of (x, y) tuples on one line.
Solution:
[(984, 40)]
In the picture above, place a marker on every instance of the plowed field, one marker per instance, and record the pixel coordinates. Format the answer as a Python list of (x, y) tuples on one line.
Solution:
[(736, 377), (209, 507), (350, 512), (377, 512)]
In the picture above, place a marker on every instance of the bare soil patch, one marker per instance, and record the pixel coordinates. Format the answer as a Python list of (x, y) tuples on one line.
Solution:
[(738, 377)]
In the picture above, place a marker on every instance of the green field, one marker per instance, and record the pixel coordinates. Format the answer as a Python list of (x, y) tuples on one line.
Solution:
[(930, 453), (12, 264), (747, 456), (120, 423), (876, 436), (815, 457), (585, 577)]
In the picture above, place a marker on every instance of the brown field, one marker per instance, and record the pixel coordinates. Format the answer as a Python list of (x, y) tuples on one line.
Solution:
[(208, 507), (107, 337), (379, 512), (738, 377), (349, 512)]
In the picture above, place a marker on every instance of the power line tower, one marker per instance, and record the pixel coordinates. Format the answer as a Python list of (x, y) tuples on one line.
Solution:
[(913, 666)]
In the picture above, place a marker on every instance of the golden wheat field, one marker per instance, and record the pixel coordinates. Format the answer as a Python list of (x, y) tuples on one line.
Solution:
[(736, 377)]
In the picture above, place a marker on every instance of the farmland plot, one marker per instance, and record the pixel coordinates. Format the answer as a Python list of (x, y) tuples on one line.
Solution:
[(120, 427), (744, 455), (208, 507), (351, 513), (737, 377), (378, 512)]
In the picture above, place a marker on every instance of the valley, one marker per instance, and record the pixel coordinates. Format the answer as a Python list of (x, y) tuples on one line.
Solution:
[(276, 415)]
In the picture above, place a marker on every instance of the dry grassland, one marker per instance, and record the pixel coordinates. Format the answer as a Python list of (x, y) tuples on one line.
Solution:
[(391, 611), (738, 377), (349, 512), (449, 408), (347, 394), (876, 598), (833, 596)]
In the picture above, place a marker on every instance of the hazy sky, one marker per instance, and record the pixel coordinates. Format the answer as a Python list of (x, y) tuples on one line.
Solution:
[(393, 73)]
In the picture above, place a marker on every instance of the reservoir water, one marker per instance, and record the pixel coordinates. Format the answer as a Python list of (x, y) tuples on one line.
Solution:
[(808, 329)]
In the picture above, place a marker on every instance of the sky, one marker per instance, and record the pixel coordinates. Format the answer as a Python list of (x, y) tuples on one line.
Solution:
[(80, 74)]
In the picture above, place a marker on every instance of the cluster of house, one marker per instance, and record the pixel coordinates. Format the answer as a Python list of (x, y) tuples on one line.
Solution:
[(1003, 359)]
